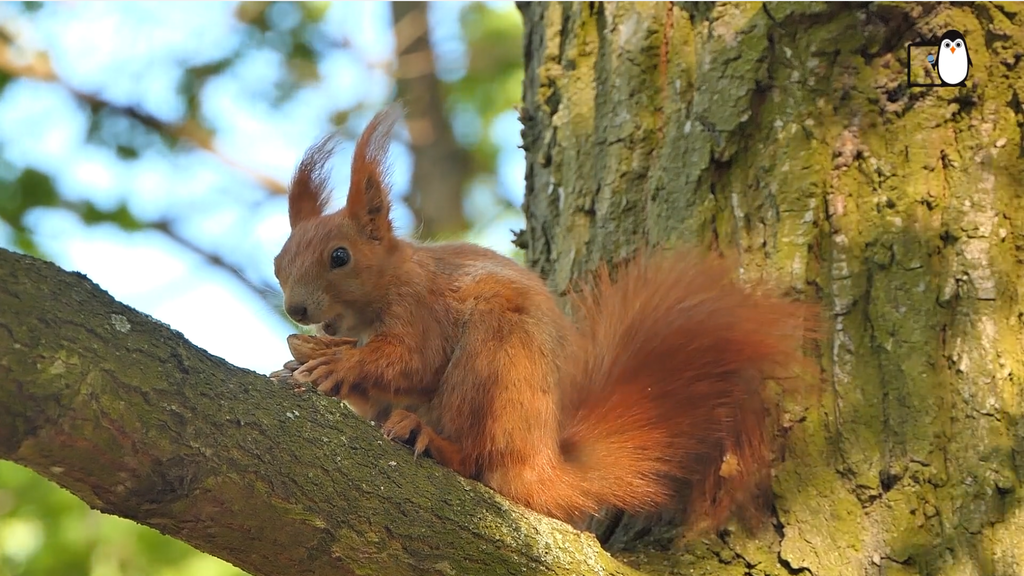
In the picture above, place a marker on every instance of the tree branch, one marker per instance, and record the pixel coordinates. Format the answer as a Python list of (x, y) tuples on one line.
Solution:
[(128, 415)]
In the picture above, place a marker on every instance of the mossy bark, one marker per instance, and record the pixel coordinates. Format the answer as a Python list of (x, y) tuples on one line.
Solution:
[(785, 134), (129, 416)]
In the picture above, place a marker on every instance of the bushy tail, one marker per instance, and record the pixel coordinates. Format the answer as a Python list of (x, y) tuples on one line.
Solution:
[(666, 391)]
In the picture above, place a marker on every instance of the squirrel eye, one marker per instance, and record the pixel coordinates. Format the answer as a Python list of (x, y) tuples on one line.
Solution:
[(340, 257)]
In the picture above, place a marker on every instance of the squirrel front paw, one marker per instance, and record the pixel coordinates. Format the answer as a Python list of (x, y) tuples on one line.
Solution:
[(328, 373), (403, 426), (286, 375), (314, 357)]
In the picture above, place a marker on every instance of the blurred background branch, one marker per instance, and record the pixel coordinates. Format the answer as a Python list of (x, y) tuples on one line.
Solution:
[(148, 145), (36, 66), (441, 167)]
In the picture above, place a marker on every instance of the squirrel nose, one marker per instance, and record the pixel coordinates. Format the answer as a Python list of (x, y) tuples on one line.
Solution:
[(298, 312)]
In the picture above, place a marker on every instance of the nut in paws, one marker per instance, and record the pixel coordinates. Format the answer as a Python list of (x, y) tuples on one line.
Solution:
[(305, 347)]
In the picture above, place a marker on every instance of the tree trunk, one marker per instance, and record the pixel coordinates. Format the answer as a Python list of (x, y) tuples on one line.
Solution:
[(785, 133)]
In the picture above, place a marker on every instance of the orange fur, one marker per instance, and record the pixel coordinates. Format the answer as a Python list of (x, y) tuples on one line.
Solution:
[(654, 382)]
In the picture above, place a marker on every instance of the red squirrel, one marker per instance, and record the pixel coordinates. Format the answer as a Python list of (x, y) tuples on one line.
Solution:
[(652, 386)]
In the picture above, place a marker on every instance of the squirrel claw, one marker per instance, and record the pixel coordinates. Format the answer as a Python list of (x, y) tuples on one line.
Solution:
[(286, 372), (282, 374), (328, 377), (286, 375), (312, 364), (312, 370), (402, 426)]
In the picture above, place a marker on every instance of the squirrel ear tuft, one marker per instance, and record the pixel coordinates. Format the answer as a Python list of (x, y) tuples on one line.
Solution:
[(368, 202), (310, 189)]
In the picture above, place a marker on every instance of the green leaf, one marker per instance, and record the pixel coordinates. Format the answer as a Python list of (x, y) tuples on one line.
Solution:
[(120, 216)]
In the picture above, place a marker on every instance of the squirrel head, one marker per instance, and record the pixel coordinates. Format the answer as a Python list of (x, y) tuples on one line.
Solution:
[(335, 269)]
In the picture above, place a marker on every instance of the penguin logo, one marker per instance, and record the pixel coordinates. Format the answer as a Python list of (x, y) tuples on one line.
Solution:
[(953, 59)]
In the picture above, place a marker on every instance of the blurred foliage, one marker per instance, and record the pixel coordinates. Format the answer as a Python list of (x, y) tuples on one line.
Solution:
[(493, 74), (44, 530)]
